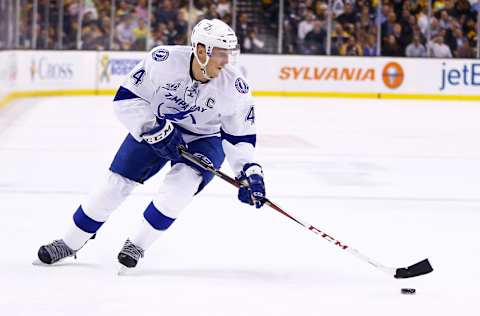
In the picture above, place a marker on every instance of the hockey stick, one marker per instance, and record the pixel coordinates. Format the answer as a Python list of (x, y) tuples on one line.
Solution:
[(417, 269)]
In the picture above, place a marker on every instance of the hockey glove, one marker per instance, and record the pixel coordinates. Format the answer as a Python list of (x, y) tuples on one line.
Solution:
[(253, 189), (165, 139)]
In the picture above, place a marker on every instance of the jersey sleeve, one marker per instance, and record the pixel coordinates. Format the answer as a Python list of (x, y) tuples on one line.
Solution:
[(140, 79), (238, 129), (132, 101)]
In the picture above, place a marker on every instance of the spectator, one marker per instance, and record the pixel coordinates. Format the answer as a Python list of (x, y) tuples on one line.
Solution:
[(242, 27), (400, 39), (223, 8), (388, 25), (104, 24), (370, 48), (456, 40), (95, 39), (470, 29), (124, 32), (306, 25), (437, 48), (422, 20), (416, 48), (212, 12), (181, 24), (123, 8), (365, 19), (351, 48), (435, 28), (407, 23), (462, 7), (348, 16), (172, 32), (438, 5), (166, 12), (159, 36), (270, 12), (321, 10), (289, 42), (337, 7), (141, 12), (43, 39), (390, 47), (339, 36), (252, 43), (315, 39), (465, 51), (140, 32), (227, 18), (445, 20), (386, 9)]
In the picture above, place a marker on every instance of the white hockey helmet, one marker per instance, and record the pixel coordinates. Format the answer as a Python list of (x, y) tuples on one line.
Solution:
[(214, 33)]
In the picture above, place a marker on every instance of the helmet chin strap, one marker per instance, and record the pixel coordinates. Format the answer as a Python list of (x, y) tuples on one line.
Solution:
[(203, 66)]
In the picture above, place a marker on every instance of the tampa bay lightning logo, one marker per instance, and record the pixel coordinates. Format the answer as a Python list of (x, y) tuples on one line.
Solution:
[(241, 85), (160, 54)]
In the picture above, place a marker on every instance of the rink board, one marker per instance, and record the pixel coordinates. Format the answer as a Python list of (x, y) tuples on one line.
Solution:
[(30, 73)]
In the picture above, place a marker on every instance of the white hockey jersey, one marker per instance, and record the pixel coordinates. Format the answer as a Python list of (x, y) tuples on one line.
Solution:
[(162, 86)]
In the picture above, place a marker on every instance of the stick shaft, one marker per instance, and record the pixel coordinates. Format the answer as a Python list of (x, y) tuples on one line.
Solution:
[(185, 154)]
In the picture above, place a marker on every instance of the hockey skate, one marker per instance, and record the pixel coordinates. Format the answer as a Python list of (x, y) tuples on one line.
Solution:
[(54, 252), (129, 255)]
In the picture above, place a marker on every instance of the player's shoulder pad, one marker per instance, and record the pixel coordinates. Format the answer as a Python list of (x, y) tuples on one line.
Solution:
[(236, 82), (167, 59), (165, 54)]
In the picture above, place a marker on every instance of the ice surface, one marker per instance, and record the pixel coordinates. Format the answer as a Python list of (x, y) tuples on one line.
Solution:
[(398, 180)]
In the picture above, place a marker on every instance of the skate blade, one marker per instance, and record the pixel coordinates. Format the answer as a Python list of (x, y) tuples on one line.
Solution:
[(123, 270), (37, 262)]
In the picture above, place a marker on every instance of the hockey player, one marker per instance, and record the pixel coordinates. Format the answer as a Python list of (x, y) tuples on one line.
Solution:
[(177, 96)]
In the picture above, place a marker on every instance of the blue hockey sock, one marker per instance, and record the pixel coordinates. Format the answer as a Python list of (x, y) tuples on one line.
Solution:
[(84, 222), (155, 218)]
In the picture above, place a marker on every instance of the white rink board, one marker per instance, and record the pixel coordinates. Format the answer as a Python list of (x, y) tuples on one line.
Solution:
[(100, 72), (364, 75), (8, 73)]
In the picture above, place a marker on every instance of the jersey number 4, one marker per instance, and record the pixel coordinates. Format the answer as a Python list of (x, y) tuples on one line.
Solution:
[(138, 77), (251, 115)]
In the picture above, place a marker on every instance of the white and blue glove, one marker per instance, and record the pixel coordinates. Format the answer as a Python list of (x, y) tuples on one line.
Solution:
[(252, 190), (165, 139)]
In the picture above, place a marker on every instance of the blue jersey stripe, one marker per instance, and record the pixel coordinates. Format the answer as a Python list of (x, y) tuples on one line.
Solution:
[(125, 94), (251, 139)]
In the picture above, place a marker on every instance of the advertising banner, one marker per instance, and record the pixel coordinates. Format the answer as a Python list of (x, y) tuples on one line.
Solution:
[(368, 76), (78, 72), (113, 67), (54, 70)]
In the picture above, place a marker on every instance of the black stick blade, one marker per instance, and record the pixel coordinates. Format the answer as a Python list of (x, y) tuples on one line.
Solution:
[(419, 268)]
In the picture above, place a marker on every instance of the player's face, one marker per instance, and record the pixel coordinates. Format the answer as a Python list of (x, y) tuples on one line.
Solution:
[(217, 61)]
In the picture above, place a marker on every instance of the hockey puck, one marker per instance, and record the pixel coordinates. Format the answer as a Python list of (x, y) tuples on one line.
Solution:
[(408, 291)]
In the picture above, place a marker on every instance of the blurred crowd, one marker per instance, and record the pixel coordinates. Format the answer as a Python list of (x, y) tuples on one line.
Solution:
[(129, 30), (404, 28), (354, 32)]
